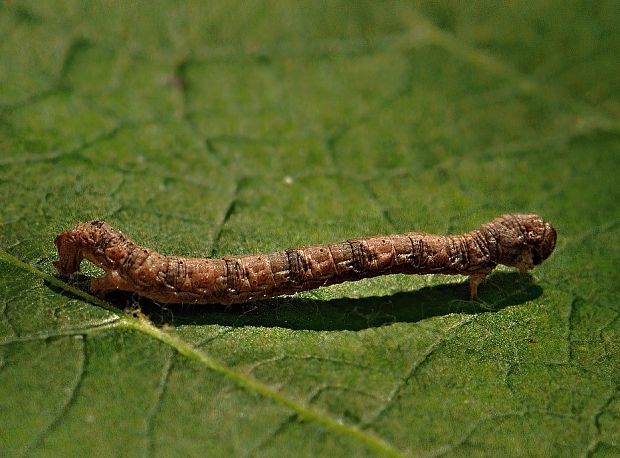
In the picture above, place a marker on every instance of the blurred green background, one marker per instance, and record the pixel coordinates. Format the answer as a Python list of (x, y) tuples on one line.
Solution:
[(224, 128)]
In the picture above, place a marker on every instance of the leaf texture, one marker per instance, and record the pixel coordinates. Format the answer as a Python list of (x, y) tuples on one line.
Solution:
[(246, 127)]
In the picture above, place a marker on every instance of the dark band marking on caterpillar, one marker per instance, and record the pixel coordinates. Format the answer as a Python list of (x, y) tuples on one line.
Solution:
[(520, 240)]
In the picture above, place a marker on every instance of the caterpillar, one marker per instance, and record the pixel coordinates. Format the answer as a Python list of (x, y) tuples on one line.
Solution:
[(517, 240)]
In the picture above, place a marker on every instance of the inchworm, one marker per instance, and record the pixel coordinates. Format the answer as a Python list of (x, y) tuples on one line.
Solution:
[(521, 241)]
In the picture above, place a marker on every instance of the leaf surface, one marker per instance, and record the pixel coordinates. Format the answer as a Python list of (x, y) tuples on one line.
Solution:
[(249, 127)]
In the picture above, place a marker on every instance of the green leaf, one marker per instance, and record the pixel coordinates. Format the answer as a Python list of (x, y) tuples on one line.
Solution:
[(246, 127)]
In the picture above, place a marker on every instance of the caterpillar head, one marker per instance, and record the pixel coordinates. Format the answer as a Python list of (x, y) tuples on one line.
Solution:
[(526, 240)]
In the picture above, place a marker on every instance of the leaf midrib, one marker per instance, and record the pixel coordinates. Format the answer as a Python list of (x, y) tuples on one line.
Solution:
[(127, 321)]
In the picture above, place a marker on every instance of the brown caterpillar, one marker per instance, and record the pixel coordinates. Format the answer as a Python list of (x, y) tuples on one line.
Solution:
[(521, 241)]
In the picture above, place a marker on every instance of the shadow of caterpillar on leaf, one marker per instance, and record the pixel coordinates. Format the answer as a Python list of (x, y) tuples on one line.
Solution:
[(504, 289)]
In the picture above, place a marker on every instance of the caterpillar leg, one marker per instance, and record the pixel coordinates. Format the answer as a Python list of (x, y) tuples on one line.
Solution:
[(111, 281), (474, 281)]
